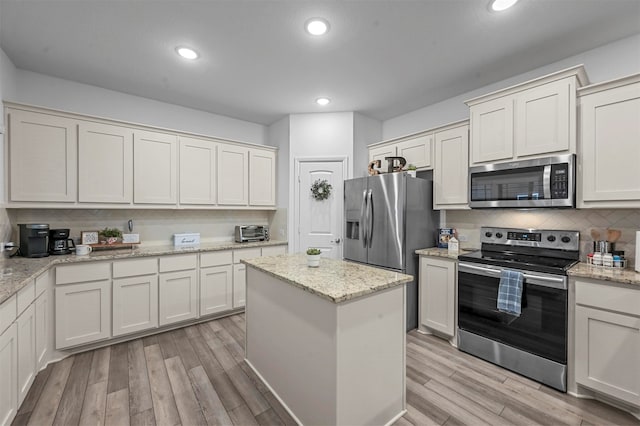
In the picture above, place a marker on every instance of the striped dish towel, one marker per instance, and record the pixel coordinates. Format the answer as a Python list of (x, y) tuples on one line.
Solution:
[(510, 292)]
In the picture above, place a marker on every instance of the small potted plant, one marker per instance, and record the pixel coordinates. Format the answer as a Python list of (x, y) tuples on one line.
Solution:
[(411, 170), (313, 257), (110, 235)]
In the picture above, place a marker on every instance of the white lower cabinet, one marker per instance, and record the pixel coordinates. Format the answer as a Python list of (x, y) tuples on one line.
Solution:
[(239, 285), (216, 289), (83, 313), (607, 340), (135, 304), (26, 351), (178, 296), (438, 295), (8, 374), (42, 328), (273, 250)]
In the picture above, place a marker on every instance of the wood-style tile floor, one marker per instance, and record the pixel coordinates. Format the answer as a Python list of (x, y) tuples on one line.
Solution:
[(196, 376)]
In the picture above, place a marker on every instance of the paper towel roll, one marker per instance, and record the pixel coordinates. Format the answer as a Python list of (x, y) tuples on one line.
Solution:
[(637, 251)]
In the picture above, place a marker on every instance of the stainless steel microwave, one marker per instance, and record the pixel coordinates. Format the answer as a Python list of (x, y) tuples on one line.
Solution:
[(541, 182)]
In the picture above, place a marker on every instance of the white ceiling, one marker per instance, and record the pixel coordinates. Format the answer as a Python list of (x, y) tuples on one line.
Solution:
[(380, 58)]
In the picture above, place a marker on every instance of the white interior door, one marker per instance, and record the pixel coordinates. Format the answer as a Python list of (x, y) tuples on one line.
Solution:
[(319, 223)]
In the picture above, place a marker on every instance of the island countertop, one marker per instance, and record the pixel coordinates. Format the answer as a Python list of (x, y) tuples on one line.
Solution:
[(334, 280)]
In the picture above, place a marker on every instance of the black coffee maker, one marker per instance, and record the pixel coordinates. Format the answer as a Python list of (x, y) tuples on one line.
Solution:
[(59, 241), (34, 239)]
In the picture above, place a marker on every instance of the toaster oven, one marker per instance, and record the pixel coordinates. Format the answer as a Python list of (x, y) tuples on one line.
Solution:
[(248, 233)]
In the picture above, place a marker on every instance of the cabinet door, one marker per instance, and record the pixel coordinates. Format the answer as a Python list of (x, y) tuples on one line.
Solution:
[(135, 304), (155, 169), (42, 157), (178, 296), (239, 285), (450, 177), (216, 289), (42, 329), (607, 352), (262, 177), (543, 119), (105, 163), (380, 152), (233, 175), (83, 313), (26, 351), (417, 151), (198, 167), (437, 295), (8, 374), (609, 135), (492, 130)]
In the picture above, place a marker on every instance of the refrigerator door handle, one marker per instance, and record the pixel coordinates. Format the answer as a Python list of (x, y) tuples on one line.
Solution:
[(370, 218), (363, 219)]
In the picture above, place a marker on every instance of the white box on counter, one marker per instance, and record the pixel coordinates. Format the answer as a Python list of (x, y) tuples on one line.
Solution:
[(131, 238), (186, 240)]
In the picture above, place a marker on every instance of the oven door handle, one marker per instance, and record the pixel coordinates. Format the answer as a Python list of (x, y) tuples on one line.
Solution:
[(530, 279)]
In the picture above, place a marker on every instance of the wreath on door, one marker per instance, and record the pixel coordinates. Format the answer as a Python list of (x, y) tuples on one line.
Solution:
[(321, 189)]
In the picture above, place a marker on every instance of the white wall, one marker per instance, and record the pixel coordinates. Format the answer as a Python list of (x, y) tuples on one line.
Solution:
[(610, 61), (279, 137), (366, 131), (46, 91), (7, 79)]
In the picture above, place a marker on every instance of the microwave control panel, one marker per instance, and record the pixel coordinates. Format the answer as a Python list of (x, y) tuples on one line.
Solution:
[(560, 181)]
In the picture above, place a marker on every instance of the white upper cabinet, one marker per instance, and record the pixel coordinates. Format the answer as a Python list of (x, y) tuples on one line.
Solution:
[(155, 167), (233, 172), (42, 157), (416, 149), (262, 177), (450, 176), (198, 171), (492, 127), (533, 119), (608, 172), (105, 163)]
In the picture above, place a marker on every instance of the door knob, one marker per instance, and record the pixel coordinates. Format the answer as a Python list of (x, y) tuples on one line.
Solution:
[(337, 241)]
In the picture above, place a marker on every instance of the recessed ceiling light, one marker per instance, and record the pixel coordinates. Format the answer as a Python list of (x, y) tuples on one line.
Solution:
[(500, 5), (187, 53), (323, 101), (317, 26)]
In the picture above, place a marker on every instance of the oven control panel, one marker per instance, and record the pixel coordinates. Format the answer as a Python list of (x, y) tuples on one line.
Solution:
[(544, 238)]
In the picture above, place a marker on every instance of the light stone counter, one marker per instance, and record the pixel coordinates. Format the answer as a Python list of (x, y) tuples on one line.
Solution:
[(335, 280), (624, 276), (441, 252), (15, 273)]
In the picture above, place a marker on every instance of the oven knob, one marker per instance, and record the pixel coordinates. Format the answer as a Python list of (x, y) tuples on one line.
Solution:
[(566, 239), (551, 238), (488, 234), (498, 234)]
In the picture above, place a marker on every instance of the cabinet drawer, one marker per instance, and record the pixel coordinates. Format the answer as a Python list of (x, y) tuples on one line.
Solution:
[(7, 313), (178, 263), (625, 300), (42, 281), (135, 267), (274, 250), (26, 296), (247, 253), (91, 271), (216, 258)]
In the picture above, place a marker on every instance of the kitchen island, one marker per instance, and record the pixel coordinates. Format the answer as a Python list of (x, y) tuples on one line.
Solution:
[(329, 341)]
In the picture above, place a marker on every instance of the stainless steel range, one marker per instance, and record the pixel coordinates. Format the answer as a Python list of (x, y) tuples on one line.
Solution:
[(533, 344)]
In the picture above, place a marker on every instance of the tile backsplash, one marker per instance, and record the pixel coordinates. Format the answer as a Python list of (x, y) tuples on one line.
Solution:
[(154, 226), (468, 223)]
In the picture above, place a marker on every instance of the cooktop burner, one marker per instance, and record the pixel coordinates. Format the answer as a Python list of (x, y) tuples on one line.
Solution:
[(551, 251)]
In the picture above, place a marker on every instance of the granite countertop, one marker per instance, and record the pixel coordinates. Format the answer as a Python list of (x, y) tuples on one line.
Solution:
[(334, 280), (625, 276), (440, 252), (15, 273)]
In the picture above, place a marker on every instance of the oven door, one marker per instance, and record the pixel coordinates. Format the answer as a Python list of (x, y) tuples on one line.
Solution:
[(541, 329)]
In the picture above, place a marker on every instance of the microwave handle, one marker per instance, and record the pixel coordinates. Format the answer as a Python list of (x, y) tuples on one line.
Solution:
[(546, 182)]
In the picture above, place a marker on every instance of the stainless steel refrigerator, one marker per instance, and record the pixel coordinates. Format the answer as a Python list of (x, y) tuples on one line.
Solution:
[(388, 217)]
